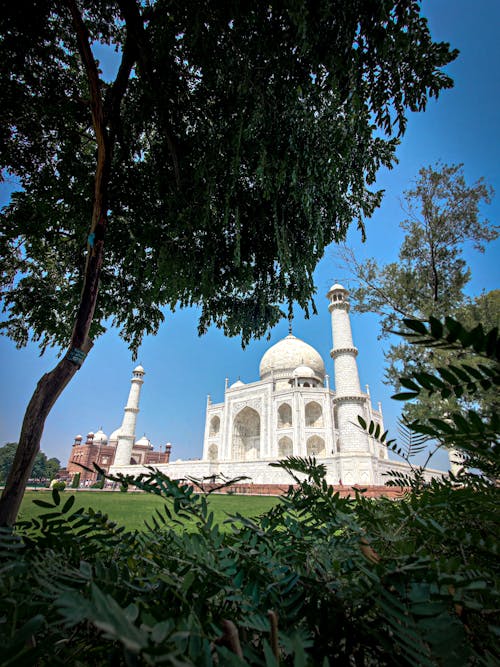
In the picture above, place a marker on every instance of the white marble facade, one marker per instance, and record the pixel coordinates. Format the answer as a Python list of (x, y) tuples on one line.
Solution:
[(292, 410)]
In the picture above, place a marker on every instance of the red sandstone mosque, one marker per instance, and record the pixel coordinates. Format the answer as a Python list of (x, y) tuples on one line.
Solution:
[(97, 448)]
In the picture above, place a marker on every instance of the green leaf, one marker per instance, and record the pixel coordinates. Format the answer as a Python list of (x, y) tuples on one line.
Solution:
[(68, 504), (404, 396), (43, 503)]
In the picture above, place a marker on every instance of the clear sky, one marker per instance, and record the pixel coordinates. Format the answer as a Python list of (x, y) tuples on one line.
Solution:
[(181, 369)]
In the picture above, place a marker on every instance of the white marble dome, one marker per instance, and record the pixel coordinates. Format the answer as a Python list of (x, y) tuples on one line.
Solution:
[(100, 438), (144, 442), (304, 372), (283, 358), (113, 438), (237, 384)]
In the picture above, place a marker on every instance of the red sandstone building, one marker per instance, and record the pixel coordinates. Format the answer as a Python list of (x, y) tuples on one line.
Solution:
[(97, 449)]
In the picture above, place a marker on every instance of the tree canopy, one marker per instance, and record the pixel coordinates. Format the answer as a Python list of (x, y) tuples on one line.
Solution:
[(42, 468), (235, 142), (245, 142), (428, 280)]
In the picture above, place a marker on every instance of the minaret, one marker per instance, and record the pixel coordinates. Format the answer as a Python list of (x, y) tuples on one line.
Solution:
[(349, 401), (126, 438)]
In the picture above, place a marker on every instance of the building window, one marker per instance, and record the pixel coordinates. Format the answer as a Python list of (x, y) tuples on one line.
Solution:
[(285, 447), (284, 416), (246, 435), (214, 426), (314, 414), (316, 446)]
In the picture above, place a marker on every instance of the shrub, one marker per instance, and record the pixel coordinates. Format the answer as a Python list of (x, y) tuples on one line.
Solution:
[(317, 580), (57, 485), (75, 482)]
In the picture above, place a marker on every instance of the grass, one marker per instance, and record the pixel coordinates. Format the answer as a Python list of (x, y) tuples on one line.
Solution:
[(132, 509)]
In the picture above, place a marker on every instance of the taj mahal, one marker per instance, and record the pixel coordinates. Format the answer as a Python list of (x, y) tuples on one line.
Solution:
[(291, 410)]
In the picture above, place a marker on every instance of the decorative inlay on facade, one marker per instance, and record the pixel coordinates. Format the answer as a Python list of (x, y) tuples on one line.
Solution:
[(350, 398), (336, 352), (255, 404)]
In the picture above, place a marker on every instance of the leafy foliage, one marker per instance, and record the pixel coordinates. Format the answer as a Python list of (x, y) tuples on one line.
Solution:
[(428, 280), (245, 141), (473, 433), (391, 583), (43, 468), (317, 580)]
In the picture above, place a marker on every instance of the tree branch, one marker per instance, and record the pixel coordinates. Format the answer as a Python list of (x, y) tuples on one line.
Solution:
[(135, 26)]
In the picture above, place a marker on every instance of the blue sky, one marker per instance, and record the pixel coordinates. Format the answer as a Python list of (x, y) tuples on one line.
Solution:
[(181, 369)]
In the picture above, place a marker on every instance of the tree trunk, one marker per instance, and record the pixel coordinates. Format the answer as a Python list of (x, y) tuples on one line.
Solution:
[(46, 394), (53, 383)]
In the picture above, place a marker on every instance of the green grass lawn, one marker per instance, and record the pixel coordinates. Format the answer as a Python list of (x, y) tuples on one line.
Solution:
[(132, 509)]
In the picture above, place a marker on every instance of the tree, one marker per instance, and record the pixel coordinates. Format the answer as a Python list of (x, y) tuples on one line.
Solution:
[(235, 142), (7, 453), (430, 276), (42, 467)]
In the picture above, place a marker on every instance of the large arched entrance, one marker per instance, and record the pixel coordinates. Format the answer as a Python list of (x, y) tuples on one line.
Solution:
[(246, 435)]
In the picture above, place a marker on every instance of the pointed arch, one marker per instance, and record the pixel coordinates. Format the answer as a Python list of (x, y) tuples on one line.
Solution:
[(214, 426), (284, 416), (314, 414), (285, 447), (316, 446), (246, 435), (213, 452)]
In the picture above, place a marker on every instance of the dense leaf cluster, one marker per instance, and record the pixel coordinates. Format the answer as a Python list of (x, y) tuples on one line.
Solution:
[(317, 580), (43, 468), (348, 581), (475, 434), (444, 216), (244, 141)]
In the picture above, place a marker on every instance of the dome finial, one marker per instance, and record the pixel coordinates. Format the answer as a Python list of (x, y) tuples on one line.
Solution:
[(290, 317)]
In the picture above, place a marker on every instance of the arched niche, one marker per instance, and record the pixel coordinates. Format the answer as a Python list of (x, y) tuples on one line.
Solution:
[(284, 416), (214, 426), (285, 447), (246, 435), (314, 414), (315, 446), (213, 452)]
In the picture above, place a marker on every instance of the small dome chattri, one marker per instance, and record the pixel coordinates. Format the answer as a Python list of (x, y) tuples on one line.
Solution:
[(303, 372), (144, 442), (337, 286), (100, 438), (139, 370)]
